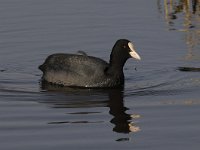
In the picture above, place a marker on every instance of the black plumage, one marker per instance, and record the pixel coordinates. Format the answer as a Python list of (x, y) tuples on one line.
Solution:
[(88, 71)]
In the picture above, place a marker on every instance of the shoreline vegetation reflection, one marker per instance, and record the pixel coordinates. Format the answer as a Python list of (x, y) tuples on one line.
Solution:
[(184, 16)]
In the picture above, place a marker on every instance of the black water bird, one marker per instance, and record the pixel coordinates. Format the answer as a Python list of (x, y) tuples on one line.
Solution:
[(87, 71)]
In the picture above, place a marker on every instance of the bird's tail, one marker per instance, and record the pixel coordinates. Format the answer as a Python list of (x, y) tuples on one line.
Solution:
[(41, 67)]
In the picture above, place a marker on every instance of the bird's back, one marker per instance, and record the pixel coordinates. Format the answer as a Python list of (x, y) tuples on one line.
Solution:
[(74, 70)]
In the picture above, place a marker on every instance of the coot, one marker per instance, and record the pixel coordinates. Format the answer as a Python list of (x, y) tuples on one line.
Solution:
[(75, 70)]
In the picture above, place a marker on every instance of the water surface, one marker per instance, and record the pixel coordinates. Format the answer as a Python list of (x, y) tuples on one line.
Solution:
[(159, 106)]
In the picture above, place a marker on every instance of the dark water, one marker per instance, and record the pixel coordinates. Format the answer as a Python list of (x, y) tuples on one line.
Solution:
[(160, 105)]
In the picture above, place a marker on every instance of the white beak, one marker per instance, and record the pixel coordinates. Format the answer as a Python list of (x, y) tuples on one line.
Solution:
[(133, 53)]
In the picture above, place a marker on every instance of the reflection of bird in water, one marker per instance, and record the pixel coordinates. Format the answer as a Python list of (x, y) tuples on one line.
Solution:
[(121, 119), (88, 98)]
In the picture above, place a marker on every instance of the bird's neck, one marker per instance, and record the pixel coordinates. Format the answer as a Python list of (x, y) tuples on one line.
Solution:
[(116, 65)]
